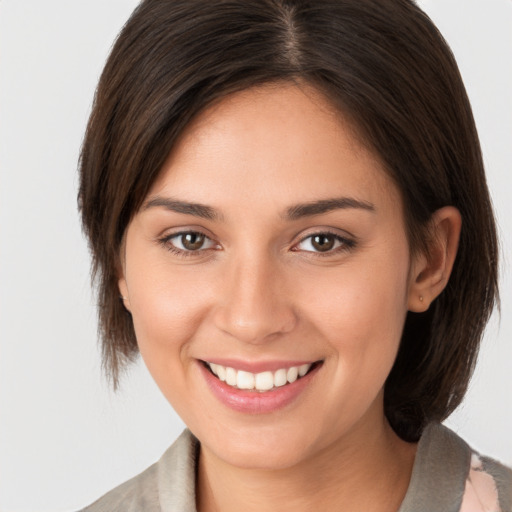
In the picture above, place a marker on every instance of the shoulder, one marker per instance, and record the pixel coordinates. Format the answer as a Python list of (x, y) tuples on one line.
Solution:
[(449, 475), (168, 484)]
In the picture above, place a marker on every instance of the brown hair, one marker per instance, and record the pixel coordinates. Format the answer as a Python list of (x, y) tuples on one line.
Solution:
[(380, 62)]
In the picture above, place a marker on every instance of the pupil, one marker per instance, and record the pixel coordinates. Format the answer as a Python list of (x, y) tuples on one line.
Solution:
[(192, 241), (323, 242)]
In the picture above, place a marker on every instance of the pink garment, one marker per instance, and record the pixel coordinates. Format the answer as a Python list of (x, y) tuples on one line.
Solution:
[(480, 494)]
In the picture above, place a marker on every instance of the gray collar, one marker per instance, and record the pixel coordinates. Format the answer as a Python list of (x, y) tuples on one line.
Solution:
[(439, 473), (177, 475)]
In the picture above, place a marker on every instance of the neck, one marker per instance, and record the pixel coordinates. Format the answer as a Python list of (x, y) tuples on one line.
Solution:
[(368, 470)]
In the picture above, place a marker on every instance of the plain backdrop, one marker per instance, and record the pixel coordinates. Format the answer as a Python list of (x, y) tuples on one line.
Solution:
[(65, 439)]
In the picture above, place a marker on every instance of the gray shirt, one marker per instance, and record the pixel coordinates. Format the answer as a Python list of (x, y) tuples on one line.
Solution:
[(447, 477)]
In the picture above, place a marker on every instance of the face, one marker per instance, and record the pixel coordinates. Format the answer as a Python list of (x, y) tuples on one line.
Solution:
[(271, 253)]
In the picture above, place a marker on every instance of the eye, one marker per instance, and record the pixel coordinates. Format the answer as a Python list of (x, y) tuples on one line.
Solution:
[(324, 243), (188, 242)]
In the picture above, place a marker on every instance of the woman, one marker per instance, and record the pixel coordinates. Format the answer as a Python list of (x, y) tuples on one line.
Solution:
[(289, 219)]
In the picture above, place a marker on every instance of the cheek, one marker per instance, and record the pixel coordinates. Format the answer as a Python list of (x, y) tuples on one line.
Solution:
[(360, 299), (360, 315), (360, 310), (167, 307)]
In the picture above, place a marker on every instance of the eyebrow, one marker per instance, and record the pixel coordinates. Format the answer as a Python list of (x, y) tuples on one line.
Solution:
[(185, 207), (326, 205), (294, 212)]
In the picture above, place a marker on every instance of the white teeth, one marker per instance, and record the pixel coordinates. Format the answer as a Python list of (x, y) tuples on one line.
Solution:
[(263, 381), (231, 376), (292, 374), (221, 372), (244, 380), (304, 369), (280, 378)]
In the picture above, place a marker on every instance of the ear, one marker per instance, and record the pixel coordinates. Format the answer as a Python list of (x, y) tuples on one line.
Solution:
[(430, 271), (123, 291), (121, 282)]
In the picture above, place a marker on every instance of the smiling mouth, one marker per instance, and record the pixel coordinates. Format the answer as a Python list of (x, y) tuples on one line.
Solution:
[(260, 382)]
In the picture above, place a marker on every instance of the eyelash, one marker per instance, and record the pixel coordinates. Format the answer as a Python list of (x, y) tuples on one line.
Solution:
[(346, 244)]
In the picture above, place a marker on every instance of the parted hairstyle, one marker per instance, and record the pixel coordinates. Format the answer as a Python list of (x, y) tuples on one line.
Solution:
[(383, 65)]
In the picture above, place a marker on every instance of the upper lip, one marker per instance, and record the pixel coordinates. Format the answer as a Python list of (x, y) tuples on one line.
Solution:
[(258, 366)]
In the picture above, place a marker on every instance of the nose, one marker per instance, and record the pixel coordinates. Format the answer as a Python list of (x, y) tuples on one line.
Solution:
[(254, 305)]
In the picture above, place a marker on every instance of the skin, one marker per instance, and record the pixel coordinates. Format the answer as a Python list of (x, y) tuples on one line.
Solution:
[(259, 290)]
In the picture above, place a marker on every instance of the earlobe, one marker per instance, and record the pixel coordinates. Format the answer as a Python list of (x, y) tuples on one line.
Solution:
[(123, 292), (431, 271), (123, 287), (124, 296)]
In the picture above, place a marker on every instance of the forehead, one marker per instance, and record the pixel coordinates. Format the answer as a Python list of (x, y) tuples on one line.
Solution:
[(270, 143)]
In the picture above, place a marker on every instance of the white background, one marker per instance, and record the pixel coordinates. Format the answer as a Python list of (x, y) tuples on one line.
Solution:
[(65, 439)]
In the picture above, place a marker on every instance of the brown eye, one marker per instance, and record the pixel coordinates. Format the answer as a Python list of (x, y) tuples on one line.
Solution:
[(192, 241), (323, 242), (188, 243)]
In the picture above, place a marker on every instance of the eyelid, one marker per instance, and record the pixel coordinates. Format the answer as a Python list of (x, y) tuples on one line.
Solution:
[(178, 229)]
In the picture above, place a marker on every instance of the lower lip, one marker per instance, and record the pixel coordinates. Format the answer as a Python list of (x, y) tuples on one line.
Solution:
[(255, 402)]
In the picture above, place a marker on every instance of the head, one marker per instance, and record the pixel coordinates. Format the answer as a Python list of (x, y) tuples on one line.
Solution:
[(385, 70)]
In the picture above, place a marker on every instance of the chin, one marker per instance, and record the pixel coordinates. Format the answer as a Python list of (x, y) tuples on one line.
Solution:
[(262, 448), (265, 458)]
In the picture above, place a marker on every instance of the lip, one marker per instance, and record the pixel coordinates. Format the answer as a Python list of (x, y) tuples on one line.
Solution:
[(254, 402)]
